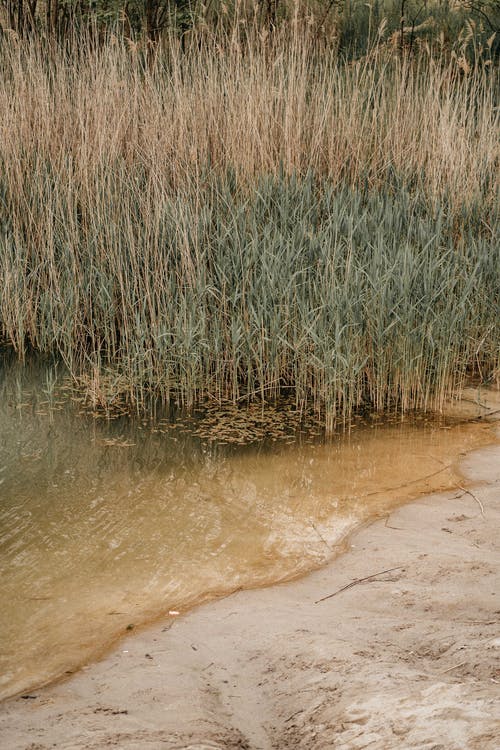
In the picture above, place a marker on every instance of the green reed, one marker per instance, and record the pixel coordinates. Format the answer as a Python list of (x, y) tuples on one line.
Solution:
[(347, 297), (243, 264)]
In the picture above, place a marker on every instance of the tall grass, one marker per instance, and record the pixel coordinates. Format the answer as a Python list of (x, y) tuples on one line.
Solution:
[(244, 217)]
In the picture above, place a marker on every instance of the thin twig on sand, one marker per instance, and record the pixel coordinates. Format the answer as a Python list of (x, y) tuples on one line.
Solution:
[(456, 666), (358, 580), (474, 497)]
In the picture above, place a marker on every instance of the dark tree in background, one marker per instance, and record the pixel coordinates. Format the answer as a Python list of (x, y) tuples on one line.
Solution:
[(355, 22)]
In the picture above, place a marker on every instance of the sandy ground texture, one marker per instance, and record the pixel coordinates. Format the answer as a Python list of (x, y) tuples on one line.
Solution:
[(407, 658)]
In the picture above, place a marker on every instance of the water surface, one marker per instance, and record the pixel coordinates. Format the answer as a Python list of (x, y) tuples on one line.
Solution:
[(106, 524)]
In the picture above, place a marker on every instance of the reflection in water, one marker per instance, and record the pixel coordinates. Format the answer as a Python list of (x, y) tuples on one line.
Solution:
[(107, 524)]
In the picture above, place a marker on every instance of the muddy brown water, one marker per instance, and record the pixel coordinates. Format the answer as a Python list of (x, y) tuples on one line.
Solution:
[(106, 525)]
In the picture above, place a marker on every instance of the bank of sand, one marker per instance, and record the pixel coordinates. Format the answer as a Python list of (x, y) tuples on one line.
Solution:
[(406, 658)]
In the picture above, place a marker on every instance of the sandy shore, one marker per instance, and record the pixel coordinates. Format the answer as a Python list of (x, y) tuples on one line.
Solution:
[(404, 659)]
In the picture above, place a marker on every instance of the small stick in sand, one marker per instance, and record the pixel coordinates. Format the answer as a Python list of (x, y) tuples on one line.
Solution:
[(478, 501), (358, 580), (456, 666)]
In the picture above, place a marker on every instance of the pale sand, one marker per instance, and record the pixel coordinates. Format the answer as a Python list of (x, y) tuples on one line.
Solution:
[(408, 659)]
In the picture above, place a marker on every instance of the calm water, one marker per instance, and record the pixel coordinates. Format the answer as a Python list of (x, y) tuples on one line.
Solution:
[(107, 524)]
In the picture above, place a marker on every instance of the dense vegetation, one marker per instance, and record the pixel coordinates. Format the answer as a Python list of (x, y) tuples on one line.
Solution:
[(245, 215), (351, 26)]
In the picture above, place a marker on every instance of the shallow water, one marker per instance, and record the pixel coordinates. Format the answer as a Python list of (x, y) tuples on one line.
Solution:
[(105, 525)]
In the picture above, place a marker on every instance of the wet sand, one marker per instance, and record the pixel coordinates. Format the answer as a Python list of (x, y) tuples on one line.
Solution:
[(406, 658)]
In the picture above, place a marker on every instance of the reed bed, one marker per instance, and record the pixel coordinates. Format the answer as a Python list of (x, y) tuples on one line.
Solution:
[(242, 218)]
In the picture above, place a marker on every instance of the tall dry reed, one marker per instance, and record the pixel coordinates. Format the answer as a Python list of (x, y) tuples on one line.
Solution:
[(245, 216)]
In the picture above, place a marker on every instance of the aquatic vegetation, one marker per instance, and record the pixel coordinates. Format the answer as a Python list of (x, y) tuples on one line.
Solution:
[(239, 222)]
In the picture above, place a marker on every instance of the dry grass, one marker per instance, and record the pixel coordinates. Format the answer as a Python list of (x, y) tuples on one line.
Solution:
[(250, 107), (218, 220)]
